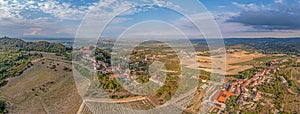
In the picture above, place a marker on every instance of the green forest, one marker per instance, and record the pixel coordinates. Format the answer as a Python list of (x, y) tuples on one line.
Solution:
[(288, 46)]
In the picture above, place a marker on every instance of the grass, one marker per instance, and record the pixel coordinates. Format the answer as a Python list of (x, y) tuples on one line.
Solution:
[(84, 71), (291, 100), (296, 73)]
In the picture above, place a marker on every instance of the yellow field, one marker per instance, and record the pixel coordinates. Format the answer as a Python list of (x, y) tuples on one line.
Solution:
[(231, 58)]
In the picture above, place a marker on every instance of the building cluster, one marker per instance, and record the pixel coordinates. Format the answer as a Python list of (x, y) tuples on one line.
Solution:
[(87, 51), (232, 50), (242, 88), (88, 57)]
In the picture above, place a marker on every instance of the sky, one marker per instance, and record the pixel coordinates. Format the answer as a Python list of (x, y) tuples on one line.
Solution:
[(151, 18)]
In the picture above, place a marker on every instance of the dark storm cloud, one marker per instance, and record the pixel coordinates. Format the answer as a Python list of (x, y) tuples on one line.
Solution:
[(278, 17)]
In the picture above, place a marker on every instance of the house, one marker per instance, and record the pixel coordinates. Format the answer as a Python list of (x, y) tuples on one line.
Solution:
[(269, 80), (256, 96), (246, 83), (203, 80), (254, 89), (223, 96), (231, 88), (254, 83), (238, 90)]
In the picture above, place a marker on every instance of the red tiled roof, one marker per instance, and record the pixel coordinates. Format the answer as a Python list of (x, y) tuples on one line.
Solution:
[(223, 96)]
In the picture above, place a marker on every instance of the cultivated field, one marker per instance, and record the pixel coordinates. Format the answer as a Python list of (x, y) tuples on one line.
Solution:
[(43, 88), (134, 107), (124, 106), (232, 60)]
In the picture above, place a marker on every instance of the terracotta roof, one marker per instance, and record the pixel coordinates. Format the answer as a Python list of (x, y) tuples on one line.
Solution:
[(246, 83), (223, 96), (231, 87), (256, 96)]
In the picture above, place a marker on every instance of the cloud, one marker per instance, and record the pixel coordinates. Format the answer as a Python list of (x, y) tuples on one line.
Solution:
[(153, 30), (246, 7), (276, 17), (63, 10), (55, 17), (40, 18), (121, 20), (33, 31), (278, 1), (106, 10), (221, 6), (10, 9)]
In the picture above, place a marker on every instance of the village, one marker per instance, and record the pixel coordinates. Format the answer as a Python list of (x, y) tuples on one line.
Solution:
[(244, 91), (137, 67)]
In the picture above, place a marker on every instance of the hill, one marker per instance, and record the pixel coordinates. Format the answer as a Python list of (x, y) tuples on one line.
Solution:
[(46, 87), (16, 54), (7, 44)]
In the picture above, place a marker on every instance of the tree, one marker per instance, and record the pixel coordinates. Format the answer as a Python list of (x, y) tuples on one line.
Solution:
[(3, 105), (231, 103), (168, 96), (67, 69), (53, 67)]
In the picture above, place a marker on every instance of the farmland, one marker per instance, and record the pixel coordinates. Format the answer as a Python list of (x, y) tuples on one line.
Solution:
[(233, 61)]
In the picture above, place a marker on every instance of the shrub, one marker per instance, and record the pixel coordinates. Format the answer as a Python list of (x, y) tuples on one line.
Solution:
[(53, 67), (3, 105)]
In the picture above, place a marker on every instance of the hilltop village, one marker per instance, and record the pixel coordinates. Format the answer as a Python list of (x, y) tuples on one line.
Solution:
[(244, 91)]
